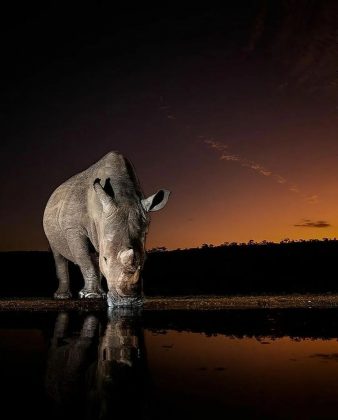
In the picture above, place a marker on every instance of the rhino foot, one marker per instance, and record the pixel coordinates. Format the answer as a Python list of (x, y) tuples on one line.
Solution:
[(89, 294), (62, 295)]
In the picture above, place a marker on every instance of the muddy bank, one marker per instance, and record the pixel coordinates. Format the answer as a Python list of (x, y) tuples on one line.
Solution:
[(181, 303)]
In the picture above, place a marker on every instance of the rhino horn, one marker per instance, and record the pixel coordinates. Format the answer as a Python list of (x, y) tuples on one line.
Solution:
[(127, 257)]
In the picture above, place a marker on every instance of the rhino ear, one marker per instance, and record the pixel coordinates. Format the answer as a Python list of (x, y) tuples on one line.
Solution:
[(106, 200), (157, 201)]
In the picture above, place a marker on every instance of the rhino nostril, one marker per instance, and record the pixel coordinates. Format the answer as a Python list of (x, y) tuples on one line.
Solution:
[(105, 259)]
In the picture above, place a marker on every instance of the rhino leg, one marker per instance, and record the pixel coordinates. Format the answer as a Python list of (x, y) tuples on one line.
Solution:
[(60, 328), (95, 259), (89, 269), (89, 327), (92, 278), (61, 265)]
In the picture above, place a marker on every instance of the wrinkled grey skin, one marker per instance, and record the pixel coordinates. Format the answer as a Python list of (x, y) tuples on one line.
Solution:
[(98, 219)]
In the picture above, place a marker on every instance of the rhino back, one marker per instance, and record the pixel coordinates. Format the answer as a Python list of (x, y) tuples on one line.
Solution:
[(74, 204)]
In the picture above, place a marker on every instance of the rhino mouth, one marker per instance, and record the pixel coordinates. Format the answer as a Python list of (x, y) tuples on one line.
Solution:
[(117, 301)]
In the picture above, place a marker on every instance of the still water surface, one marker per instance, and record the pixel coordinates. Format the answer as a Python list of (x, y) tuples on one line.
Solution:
[(249, 364)]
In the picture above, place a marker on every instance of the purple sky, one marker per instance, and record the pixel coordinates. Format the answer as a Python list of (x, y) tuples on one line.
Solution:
[(234, 111)]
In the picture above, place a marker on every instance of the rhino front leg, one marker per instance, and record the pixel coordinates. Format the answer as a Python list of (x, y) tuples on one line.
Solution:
[(61, 265), (95, 259), (92, 287), (89, 269)]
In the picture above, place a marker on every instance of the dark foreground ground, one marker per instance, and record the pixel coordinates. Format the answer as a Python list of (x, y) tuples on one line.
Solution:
[(191, 303)]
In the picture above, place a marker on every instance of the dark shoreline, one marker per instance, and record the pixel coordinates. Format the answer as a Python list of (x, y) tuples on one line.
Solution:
[(189, 303), (286, 268)]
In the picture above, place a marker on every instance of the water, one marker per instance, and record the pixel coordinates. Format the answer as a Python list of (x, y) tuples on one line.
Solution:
[(170, 365)]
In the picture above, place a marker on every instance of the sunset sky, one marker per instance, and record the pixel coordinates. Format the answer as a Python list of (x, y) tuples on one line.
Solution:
[(234, 110)]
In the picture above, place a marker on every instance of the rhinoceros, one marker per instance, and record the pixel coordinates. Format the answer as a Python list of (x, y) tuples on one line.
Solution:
[(98, 219)]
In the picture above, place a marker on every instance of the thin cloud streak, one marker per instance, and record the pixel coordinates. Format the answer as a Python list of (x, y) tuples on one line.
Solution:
[(313, 198), (313, 224), (260, 169)]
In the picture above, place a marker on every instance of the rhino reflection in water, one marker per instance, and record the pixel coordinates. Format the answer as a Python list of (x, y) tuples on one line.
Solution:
[(69, 359), (118, 382), (99, 376), (98, 219)]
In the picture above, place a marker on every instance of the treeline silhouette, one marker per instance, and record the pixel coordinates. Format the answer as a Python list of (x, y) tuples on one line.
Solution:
[(250, 268), (229, 269)]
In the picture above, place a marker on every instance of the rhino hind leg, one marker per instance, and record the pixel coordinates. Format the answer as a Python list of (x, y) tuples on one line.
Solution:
[(61, 265)]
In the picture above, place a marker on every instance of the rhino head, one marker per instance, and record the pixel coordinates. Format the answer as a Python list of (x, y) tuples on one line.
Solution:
[(122, 228)]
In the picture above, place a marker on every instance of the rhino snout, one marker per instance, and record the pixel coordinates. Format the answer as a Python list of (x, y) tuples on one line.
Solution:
[(116, 300)]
